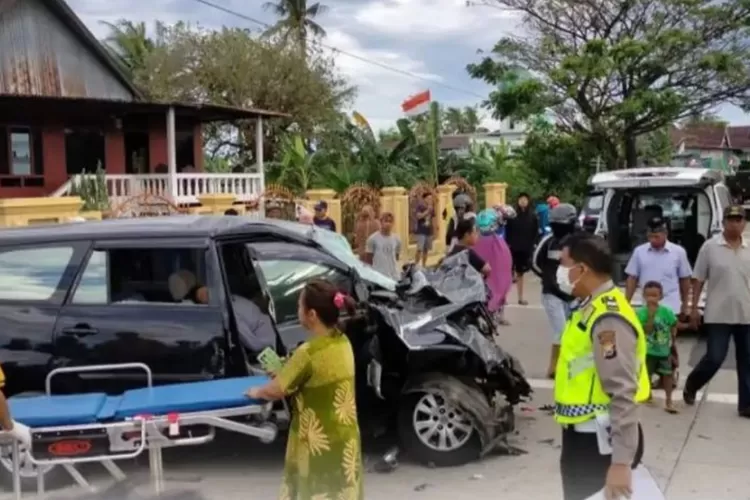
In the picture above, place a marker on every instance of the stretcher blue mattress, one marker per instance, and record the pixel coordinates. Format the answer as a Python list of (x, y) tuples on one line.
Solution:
[(80, 409)]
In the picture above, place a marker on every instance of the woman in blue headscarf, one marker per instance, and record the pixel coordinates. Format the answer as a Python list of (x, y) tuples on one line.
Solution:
[(493, 249)]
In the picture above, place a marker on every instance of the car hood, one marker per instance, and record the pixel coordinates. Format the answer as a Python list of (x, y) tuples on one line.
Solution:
[(454, 279), (420, 330)]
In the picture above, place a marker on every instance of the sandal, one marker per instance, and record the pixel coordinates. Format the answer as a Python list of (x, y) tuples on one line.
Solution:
[(523, 302), (671, 409)]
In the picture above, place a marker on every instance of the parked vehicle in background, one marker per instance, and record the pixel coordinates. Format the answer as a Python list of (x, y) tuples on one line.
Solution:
[(127, 290), (691, 199), (592, 209)]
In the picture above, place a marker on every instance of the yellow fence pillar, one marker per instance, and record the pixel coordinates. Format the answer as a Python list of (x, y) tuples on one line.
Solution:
[(16, 212), (444, 205), (395, 200), (494, 193), (334, 204), (216, 204)]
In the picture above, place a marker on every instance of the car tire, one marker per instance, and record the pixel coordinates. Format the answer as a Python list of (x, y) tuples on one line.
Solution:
[(433, 446), (52, 473)]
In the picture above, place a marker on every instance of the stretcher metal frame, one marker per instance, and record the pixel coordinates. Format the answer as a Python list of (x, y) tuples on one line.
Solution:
[(153, 434)]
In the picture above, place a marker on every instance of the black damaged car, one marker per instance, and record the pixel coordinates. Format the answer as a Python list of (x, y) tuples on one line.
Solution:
[(124, 290)]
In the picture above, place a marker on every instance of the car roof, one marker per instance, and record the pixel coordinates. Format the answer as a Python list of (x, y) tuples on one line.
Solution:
[(668, 175), (173, 226)]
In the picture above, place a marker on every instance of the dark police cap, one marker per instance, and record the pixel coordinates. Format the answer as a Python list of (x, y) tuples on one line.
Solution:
[(734, 211), (657, 224)]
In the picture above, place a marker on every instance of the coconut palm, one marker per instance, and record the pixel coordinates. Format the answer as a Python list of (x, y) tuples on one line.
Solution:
[(296, 21), (471, 119), (130, 43)]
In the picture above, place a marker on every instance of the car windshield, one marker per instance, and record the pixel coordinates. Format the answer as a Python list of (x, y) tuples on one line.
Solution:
[(340, 248)]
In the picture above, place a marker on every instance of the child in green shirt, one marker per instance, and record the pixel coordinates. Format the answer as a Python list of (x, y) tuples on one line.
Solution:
[(660, 326)]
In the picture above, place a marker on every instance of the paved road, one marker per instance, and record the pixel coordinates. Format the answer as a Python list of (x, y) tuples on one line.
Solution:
[(699, 454)]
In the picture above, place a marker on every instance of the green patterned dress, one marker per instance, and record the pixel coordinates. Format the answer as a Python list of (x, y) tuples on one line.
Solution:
[(323, 455)]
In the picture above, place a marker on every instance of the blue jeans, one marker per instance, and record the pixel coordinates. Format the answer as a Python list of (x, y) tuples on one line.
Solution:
[(558, 312), (717, 344)]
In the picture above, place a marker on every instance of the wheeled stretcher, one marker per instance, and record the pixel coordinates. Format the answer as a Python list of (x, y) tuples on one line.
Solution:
[(72, 429)]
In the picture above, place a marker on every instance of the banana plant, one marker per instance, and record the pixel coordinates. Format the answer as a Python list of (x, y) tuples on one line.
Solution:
[(296, 170)]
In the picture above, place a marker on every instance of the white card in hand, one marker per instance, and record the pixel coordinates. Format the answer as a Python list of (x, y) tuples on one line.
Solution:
[(604, 433), (644, 487)]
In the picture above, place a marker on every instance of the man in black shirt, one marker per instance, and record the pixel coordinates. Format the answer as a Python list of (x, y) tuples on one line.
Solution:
[(545, 261), (466, 235), (321, 218), (522, 233)]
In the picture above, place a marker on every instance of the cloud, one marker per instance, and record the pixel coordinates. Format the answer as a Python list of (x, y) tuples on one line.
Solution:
[(436, 19), (380, 91), (431, 39)]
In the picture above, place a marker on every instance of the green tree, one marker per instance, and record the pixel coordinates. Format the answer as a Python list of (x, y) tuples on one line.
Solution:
[(460, 121), (612, 71), (232, 67), (703, 119), (130, 43), (296, 21), (656, 148)]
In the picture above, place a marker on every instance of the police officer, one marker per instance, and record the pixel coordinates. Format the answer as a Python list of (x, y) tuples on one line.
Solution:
[(545, 261), (600, 378)]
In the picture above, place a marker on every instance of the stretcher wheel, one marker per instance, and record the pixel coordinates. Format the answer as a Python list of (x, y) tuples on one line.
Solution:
[(29, 471), (269, 427)]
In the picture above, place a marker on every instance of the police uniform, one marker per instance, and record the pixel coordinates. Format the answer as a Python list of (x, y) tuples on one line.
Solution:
[(600, 378)]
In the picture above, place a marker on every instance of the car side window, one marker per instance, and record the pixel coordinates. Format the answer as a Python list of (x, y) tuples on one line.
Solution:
[(724, 198), (286, 278), (143, 276), (33, 273)]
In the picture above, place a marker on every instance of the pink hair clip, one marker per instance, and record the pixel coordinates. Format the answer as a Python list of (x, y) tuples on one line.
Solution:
[(338, 300)]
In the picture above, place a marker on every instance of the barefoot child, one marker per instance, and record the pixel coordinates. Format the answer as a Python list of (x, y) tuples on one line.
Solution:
[(660, 326)]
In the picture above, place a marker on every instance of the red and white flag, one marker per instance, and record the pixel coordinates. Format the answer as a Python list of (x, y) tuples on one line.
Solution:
[(417, 104)]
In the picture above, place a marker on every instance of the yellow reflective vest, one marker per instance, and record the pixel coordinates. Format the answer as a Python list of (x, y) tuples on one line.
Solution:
[(579, 396)]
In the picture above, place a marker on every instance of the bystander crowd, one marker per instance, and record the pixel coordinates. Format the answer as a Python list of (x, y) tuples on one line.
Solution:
[(367, 224), (324, 454), (723, 267), (659, 324), (321, 218), (522, 233), (383, 248), (664, 262), (424, 230)]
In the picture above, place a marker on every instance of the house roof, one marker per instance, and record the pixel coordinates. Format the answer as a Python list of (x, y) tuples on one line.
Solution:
[(739, 137), (700, 136), (458, 141), (40, 106), (63, 11)]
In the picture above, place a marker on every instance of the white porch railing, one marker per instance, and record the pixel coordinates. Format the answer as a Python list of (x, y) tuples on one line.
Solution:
[(245, 187)]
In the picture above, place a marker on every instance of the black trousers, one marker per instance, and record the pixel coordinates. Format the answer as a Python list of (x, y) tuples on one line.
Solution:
[(582, 467), (717, 345)]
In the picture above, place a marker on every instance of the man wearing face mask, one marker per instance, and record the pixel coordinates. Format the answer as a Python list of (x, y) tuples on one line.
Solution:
[(601, 376), (544, 263)]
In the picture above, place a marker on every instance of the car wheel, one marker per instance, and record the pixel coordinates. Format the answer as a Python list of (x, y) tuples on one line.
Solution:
[(29, 471), (434, 432)]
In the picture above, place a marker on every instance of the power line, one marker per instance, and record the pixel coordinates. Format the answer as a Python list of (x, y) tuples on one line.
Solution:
[(348, 54)]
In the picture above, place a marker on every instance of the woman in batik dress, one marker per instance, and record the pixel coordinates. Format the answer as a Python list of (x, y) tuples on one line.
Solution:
[(323, 455)]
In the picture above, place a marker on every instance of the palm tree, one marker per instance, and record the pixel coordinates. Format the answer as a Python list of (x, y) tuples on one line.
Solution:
[(129, 42), (454, 121), (471, 119), (296, 21)]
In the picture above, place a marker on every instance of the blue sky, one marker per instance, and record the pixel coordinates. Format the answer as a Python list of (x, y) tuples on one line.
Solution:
[(434, 39)]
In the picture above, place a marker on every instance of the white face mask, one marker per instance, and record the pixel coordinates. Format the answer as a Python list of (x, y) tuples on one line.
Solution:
[(563, 280)]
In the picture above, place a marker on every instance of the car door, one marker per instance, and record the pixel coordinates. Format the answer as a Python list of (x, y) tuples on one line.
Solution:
[(285, 268), (132, 303), (34, 280)]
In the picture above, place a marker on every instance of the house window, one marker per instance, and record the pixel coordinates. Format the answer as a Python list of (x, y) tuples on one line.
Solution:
[(21, 154), (21, 148)]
